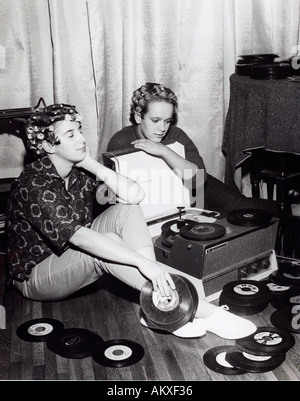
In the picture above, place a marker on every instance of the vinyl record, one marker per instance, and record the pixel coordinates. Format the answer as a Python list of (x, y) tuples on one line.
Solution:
[(266, 341), (75, 343), (38, 330), (170, 229), (246, 293), (202, 231), (194, 294), (254, 363), (284, 295), (289, 266), (169, 313), (249, 217), (287, 318), (119, 353), (284, 279), (270, 71), (215, 359), (242, 310)]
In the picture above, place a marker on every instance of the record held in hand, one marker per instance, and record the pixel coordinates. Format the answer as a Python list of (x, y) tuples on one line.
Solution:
[(202, 231), (254, 363), (266, 341), (215, 359), (249, 217), (38, 330), (119, 353), (287, 318), (75, 343), (168, 312)]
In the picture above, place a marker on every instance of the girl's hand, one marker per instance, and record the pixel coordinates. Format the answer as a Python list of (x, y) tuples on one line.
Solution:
[(86, 158), (160, 278), (153, 148)]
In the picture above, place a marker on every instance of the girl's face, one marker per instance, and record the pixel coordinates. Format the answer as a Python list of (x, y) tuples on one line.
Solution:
[(72, 143), (156, 122)]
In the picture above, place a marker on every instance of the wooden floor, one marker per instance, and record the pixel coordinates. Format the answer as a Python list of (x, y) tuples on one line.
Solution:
[(111, 310)]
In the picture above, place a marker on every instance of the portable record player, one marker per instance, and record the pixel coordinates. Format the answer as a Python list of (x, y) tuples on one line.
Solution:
[(196, 243)]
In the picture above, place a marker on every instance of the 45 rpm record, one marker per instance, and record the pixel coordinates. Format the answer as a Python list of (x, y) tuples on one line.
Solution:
[(250, 217), (215, 359), (169, 313), (38, 330), (287, 318), (284, 296), (202, 231), (243, 293), (75, 343), (119, 353), (284, 279), (254, 363), (266, 341)]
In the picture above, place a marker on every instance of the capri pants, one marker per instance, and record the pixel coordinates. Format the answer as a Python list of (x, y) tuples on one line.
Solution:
[(57, 277)]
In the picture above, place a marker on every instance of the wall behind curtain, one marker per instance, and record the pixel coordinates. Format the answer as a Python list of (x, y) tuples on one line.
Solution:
[(94, 53)]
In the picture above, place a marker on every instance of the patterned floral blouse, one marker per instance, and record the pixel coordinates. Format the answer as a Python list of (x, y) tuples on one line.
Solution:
[(42, 215)]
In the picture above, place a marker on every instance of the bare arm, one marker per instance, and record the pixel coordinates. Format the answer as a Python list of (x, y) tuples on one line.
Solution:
[(126, 189), (183, 168), (104, 246)]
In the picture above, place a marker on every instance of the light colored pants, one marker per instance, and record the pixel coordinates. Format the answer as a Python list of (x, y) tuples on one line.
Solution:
[(57, 277)]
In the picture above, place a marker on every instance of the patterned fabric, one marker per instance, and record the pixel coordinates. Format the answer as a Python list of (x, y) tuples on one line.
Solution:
[(123, 138), (42, 215)]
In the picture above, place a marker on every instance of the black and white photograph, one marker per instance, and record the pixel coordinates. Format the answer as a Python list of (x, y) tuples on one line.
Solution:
[(149, 193)]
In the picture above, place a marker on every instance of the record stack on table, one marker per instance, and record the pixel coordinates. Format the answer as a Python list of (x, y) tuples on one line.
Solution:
[(260, 352), (262, 66), (245, 297)]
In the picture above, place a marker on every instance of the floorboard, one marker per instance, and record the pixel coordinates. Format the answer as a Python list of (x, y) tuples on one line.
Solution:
[(111, 309)]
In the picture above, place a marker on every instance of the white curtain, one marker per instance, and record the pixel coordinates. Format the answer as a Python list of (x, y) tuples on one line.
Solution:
[(94, 53)]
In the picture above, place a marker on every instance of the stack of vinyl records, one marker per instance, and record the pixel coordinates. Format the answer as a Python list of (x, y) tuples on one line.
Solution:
[(245, 297), (270, 71), (288, 273), (245, 62), (260, 352)]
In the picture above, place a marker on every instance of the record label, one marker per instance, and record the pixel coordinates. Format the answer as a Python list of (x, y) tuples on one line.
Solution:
[(119, 353), (266, 341), (168, 313), (42, 329), (202, 231), (268, 338), (246, 289)]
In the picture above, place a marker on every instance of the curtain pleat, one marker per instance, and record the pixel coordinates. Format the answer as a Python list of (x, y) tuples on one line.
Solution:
[(95, 53)]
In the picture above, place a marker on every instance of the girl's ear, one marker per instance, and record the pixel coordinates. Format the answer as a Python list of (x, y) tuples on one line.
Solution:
[(48, 148), (137, 117)]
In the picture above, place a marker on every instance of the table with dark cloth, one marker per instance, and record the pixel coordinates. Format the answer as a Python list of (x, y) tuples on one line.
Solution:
[(262, 114)]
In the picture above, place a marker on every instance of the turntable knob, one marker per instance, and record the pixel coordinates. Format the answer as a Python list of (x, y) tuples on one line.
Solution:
[(244, 272), (266, 263), (254, 267)]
